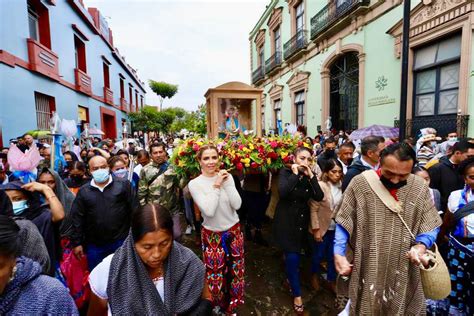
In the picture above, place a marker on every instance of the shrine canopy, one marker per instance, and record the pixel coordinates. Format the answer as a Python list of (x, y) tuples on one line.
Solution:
[(233, 108)]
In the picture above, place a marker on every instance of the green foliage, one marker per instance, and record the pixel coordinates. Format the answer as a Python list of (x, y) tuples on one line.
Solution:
[(163, 90)]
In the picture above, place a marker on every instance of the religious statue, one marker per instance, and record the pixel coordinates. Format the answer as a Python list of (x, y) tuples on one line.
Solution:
[(231, 124), (328, 124)]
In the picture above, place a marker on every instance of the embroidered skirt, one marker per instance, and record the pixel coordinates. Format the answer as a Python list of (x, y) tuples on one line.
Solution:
[(223, 255)]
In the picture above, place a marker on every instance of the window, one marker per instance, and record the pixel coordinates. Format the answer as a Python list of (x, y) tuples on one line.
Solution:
[(80, 51), (277, 113), (33, 24), (136, 99), (106, 76), (300, 17), (299, 107), (38, 23), (277, 39), (122, 88), (261, 57), (45, 106), (130, 95), (141, 102), (436, 71)]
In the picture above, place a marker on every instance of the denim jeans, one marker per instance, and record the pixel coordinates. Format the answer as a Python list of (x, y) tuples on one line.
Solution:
[(324, 250), (95, 254)]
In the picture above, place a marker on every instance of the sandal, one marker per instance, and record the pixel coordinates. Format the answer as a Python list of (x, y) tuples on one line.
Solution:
[(299, 309)]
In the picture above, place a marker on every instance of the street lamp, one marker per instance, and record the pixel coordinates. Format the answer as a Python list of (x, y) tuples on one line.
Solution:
[(404, 81)]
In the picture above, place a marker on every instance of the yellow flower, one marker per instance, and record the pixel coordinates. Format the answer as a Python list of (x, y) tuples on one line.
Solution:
[(306, 145), (200, 143), (247, 165), (251, 146), (269, 161), (181, 163), (284, 154)]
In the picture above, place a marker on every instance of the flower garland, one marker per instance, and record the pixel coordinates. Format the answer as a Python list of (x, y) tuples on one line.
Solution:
[(244, 154)]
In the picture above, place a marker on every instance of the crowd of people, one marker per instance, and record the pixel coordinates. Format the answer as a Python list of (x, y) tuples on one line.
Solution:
[(118, 212)]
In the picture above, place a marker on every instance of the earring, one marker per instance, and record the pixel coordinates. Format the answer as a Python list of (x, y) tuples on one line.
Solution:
[(12, 277)]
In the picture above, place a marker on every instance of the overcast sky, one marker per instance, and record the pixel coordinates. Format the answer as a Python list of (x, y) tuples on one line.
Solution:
[(197, 44)]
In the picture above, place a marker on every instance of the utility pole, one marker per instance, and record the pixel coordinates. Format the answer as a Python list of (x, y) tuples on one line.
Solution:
[(404, 81)]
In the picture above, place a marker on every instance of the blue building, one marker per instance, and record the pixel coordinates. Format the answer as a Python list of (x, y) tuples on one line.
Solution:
[(57, 55)]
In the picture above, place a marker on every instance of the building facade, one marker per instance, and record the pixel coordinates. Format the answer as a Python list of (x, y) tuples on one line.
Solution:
[(337, 64), (59, 56)]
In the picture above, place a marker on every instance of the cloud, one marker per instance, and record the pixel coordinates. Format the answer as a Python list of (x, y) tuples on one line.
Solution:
[(196, 44)]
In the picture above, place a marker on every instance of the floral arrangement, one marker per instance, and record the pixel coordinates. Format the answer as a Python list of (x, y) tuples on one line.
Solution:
[(246, 154)]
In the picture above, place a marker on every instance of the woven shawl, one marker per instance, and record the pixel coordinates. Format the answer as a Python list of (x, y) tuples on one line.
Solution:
[(131, 291), (383, 281), (32, 244)]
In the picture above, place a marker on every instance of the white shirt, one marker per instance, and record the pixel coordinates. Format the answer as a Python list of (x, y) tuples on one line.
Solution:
[(365, 163), (94, 184), (336, 195), (218, 206), (344, 166), (99, 278), (137, 169), (453, 203)]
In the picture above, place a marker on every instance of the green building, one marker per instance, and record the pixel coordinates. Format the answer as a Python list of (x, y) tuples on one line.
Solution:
[(338, 63)]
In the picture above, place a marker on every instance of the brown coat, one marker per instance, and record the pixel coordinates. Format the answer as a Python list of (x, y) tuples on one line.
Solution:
[(383, 281), (321, 213)]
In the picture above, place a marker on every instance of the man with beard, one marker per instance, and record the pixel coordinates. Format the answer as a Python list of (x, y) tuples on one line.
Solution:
[(328, 153), (370, 148), (384, 277), (345, 155)]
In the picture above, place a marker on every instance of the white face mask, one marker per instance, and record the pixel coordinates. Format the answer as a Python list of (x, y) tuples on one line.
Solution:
[(19, 207)]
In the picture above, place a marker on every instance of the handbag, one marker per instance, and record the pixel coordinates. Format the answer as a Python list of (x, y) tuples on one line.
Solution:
[(435, 278)]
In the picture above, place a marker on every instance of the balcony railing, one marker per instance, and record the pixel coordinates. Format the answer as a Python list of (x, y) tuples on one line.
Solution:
[(273, 62), (42, 59), (83, 81), (295, 44), (258, 74), (124, 105), (108, 96), (333, 12)]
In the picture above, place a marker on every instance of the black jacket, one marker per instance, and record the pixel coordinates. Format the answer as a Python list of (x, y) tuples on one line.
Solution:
[(353, 170), (101, 218), (446, 179), (292, 218)]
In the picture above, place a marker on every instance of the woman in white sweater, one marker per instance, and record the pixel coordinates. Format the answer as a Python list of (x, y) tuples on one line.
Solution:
[(215, 194)]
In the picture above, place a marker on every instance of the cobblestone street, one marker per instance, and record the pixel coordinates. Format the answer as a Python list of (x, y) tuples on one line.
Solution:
[(266, 290)]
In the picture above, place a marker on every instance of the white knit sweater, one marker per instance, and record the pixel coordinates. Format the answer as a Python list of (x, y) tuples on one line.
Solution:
[(218, 206)]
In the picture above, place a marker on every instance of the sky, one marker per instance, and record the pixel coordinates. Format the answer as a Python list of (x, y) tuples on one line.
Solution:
[(196, 44)]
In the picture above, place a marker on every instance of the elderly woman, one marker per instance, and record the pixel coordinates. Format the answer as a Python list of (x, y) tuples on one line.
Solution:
[(26, 201), (23, 290), (150, 274)]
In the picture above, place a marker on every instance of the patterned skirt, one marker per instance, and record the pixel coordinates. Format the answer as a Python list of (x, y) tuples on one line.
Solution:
[(223, 255), (461, 269)]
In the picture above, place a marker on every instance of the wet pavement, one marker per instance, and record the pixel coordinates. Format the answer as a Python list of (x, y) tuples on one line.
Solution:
[(267, 292)]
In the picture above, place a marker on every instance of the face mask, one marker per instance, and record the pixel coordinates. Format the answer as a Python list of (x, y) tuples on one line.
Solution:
[(101, 175), (122, 173), (434, 144), (390, 185), (19, 207), (453, 139)]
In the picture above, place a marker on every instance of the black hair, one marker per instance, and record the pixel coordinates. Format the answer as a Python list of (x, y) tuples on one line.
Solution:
[(150, 218), (9, 237), (330, 164), (113, 160), (77, 165), (72, 154), (401, 151), (465, 165), (463, 146), (348, 145), (301, 149), (331, 140), (159, 144), (417, 169), (142, 153), (370, 143), (121, 152)]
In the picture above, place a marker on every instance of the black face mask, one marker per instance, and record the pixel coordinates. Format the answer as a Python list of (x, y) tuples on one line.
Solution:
[(390, 185)]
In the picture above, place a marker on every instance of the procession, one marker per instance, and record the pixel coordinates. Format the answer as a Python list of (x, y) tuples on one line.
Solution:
[(318, 183)]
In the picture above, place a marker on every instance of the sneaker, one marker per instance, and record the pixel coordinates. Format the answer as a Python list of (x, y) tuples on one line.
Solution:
[(189, 230)]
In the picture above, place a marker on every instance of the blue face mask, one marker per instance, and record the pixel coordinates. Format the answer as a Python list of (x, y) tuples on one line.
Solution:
[(101, 175), (122, 173), (19, 207)]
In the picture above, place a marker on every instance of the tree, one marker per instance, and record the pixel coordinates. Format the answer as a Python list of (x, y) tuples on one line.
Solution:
[(150, 119), (163, 90)]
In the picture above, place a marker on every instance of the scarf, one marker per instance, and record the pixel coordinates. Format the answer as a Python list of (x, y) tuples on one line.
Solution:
[(27, 271), (131, 290), (66, 197)]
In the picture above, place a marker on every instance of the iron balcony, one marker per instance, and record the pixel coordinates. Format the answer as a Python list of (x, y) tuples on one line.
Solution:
[(258, 74), (273, 62), (296, 44), (332, 13)]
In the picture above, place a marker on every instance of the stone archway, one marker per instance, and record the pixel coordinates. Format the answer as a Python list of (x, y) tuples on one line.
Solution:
[(326, 81)]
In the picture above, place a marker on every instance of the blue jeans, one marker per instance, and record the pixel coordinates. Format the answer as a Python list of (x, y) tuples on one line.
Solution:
[(95, 254), (292, 269), (324, 250)]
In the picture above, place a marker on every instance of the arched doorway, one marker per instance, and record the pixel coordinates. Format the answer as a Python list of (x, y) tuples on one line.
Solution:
[(344, 92)]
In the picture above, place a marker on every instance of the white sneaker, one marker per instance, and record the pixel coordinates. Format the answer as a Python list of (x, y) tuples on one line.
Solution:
[(189, 230)]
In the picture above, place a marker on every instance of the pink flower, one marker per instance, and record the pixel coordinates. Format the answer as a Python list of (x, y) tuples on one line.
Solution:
[(274, 144)]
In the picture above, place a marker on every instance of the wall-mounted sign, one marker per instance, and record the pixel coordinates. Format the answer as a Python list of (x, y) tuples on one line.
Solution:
[(381, 83), (380, 100)]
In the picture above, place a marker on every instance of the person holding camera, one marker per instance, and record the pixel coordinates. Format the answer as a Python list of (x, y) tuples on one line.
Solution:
[(297, 185)]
